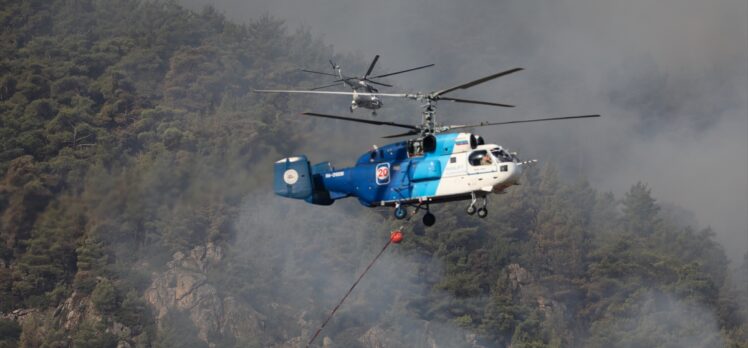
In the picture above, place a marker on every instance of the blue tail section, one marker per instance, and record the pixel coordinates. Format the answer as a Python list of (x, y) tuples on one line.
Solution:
[(294, 177)]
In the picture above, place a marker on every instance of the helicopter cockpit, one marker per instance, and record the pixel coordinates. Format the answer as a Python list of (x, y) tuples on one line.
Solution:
[(415, 148), (502, 155), (480, 158)]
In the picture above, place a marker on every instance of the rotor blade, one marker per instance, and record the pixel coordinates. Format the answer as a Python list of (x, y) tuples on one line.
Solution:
[(378, 83), (346, 79), (326, 86), (408, 133), (477, 82), (378, 123), (483, 124), (318, 72), (371, 67), (475, 102), (301, 91), (402, 71), (393, 95)]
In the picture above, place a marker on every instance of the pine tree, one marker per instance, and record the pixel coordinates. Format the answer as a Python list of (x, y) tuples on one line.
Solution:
[(640, 210)]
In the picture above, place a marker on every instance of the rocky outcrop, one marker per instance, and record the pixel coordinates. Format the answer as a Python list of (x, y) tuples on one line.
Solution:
[(184, 287), (20, 315), (77, 310), (522, 280), (518, 276)]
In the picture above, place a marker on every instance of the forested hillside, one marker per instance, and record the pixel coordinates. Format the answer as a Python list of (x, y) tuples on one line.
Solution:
[(134, 211)]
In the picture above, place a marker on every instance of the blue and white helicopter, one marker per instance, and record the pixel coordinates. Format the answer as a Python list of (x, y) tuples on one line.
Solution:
[(434, 166)]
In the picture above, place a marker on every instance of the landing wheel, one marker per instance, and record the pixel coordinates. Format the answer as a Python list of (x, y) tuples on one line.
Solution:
[(470, 209), (350, 108), (482, 213), (429, 219), (373, 113), (400, 213)]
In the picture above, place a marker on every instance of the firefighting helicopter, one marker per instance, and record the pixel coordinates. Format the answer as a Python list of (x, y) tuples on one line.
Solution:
[(433, 166), (364, 95)]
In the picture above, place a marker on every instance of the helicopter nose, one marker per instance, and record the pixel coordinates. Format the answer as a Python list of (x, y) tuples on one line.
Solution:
[(515, 171)]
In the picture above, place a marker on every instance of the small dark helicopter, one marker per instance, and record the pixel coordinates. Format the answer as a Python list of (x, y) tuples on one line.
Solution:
[(364, 95), (433, 166)]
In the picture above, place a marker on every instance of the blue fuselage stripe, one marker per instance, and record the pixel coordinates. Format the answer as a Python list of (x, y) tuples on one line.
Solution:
[(361, 180)]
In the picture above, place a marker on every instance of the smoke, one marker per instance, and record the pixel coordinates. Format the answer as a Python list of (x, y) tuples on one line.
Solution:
[(669, 77), (302, 258), (655, 319)]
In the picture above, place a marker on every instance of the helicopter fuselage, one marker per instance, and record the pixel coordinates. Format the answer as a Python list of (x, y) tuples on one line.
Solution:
[(447, 167), (367, 100)]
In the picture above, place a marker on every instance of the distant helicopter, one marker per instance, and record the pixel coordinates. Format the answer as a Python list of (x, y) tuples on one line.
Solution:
[(364, 95), (432, 167)]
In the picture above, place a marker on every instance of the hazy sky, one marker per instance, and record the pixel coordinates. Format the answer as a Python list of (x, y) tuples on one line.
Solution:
[(670, 78)]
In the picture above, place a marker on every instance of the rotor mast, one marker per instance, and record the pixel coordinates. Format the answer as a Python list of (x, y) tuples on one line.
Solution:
[(428, 123)]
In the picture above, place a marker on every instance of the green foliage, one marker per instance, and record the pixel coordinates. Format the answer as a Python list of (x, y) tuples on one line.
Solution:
[(128, 132), (640, 210), (104, 297), (93, 336), (10, 332), (585, 261)]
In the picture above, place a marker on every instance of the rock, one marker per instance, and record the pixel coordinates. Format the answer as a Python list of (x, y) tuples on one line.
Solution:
[(550, 307), (76, 309), (184, 286), (518, 276), (21, 315), (121, 331), (239, 318), (213, 253), (123, 344), (187, 283), (374, 338)]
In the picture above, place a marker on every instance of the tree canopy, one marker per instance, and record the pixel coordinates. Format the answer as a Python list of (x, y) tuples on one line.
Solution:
[(128, 132)]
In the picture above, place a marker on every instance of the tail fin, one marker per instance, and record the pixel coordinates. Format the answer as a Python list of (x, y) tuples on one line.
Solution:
[(294, 178)]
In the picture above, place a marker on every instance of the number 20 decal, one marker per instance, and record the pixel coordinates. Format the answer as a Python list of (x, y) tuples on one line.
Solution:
[(383, 173)]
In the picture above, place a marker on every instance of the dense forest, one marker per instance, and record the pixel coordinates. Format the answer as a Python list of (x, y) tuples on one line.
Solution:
[(134, 212)]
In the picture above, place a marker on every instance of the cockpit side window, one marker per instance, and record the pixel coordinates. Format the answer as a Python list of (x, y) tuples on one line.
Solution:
[(480, 158), (501, 155), (415, 148)]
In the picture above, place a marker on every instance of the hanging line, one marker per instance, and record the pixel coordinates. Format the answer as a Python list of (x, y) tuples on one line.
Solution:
[(353, 286)]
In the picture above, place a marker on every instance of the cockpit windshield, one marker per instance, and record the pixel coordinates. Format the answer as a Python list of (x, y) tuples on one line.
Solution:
[(501, 155)]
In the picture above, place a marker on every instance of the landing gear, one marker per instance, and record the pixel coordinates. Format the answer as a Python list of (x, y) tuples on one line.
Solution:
[(429, 219), (482, 212), (472, 209), (400, 212)]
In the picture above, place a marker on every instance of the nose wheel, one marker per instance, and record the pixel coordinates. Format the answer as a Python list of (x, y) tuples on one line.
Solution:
[(472, 209), (482, 212)]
